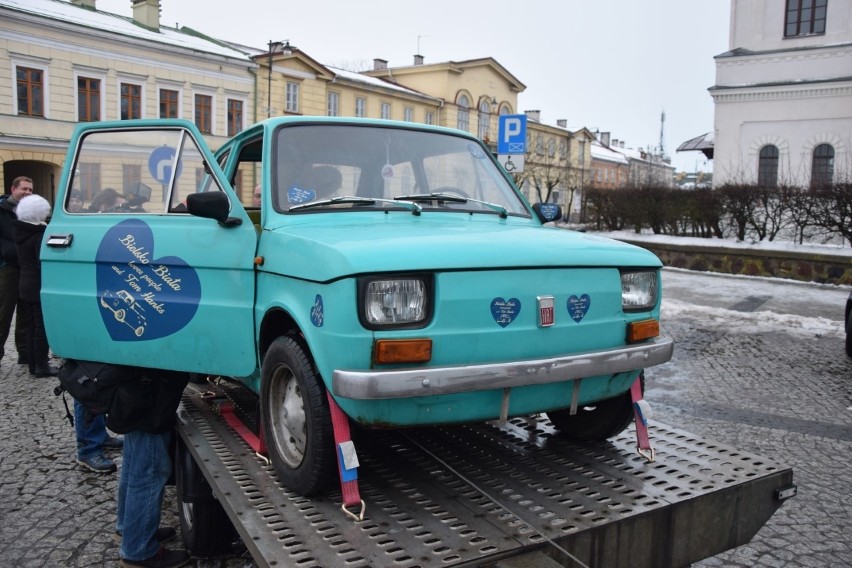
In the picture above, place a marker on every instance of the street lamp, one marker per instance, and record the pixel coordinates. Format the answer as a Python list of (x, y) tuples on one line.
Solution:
[(285, 50)]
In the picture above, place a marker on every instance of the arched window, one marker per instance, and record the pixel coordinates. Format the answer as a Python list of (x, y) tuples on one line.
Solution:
[(822, 168), (484, 119), (767, 167), (463, 119)]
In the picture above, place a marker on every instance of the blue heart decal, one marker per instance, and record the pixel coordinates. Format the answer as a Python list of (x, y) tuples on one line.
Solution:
[(141, 297), (318, 312), (297, 195), (504, 312), (578, 307)]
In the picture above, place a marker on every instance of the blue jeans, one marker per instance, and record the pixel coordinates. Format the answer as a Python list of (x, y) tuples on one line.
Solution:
[(145, 470), (90, 436)]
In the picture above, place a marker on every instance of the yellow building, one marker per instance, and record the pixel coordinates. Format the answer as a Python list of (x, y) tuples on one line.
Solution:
[(64, 62)]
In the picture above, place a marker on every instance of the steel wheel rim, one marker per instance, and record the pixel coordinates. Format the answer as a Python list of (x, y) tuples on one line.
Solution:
[(289, 422)]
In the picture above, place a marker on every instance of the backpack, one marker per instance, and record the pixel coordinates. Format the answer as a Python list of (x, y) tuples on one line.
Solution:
[(132, 398)]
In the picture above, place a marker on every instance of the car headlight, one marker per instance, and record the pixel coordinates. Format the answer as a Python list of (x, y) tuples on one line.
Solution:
[(638, 290), (395, 302)]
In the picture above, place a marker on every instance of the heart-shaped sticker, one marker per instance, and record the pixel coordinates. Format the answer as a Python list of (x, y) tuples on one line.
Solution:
[(579, 307), (505, 311), (141, 297)]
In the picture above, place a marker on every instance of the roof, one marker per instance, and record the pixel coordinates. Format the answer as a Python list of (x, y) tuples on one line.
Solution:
[(375, 82), (601, 152), (703, 144), (62, 11)]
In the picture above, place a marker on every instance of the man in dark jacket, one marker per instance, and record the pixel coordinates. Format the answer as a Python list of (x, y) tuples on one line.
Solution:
[(10, 272)]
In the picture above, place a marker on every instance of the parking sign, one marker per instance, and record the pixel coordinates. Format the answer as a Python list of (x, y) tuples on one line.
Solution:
[(512, 134)]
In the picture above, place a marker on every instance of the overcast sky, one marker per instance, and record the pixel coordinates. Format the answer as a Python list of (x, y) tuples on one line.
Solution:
[(610, 65)]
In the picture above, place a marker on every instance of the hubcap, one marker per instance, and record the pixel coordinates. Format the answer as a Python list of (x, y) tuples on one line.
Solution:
[(289, 423)]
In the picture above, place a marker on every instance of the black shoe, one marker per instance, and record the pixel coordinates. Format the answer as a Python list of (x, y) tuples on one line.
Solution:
[(163, 534), (46, 371), (23, 360), (164, 558)]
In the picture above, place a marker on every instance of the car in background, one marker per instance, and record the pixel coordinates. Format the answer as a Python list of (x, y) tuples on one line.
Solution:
[(849, 325)]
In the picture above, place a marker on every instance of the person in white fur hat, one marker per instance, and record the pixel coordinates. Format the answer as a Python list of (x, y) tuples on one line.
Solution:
[(33, 211)]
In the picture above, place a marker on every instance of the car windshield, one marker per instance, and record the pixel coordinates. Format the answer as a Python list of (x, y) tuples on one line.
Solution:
[(322, 167)]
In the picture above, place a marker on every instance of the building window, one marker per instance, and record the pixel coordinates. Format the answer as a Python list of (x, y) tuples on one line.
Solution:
[(204, 113), (408, 114), (539, 145), (89, 180), (30, 91), (131, 174), (131, 101), (822, 168), (292, 102), (360, 107), (463, 118), (805, 17), (484, 120), (386, 111), (168, 103), (430, 118), (767, 167), (551, 148), (88, 99), (333, 104), (235, 116), (563, 149)]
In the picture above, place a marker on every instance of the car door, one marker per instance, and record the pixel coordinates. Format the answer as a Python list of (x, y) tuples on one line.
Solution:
[(143, 282)]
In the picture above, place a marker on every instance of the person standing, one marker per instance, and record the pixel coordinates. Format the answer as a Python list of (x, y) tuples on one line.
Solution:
[(32, 213), (10, 273)]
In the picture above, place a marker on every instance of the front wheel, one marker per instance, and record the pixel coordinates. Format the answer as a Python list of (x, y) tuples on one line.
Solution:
[(296, 418), (597, 421)]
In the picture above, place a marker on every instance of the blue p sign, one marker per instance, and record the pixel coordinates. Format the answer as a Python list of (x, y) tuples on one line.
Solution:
[(512, 134)]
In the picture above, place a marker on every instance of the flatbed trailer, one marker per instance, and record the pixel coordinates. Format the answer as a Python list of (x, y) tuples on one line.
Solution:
[(509, 495)]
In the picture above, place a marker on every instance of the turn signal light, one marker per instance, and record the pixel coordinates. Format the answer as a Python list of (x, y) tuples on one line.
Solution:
[(396, 351), (641, 330)]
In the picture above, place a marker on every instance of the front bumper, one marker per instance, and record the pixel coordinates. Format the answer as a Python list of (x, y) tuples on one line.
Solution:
[(407, 383)]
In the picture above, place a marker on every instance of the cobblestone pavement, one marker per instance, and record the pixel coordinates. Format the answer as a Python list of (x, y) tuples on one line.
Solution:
[(783, 395)]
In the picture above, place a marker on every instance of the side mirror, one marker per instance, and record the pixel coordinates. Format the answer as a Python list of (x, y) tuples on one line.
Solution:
[(211, 205), (547, 212)]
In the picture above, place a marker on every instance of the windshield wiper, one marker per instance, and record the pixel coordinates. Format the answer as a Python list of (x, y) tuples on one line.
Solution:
[(437, 196), (454, 198), (413, 207)]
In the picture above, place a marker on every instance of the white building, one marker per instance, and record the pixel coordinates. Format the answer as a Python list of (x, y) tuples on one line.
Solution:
[(783, 94)]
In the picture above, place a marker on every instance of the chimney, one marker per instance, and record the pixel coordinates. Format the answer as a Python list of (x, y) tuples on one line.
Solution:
[(534, 115), (562, 123), (146, 13), (85, 4), (605, 138), (380, 64), (621, 143), (615, 142), (418, 60)]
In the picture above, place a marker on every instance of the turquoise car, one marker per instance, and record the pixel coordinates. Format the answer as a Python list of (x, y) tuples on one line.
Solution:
[(392, 269)]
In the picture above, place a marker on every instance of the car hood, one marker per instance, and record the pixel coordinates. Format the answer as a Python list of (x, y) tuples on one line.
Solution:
[(357, 243)]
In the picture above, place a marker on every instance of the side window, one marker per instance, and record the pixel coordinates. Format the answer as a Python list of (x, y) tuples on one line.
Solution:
[(138, 172), (246, 175)]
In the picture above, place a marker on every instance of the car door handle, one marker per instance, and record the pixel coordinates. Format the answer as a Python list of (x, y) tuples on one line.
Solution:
[(60, 241)]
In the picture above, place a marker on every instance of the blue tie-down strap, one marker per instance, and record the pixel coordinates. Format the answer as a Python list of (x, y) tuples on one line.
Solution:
[(348, 461)]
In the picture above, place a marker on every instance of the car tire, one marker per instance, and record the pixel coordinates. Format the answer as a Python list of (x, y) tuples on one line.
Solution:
[(296, 418), (215, 535), (596, 422)]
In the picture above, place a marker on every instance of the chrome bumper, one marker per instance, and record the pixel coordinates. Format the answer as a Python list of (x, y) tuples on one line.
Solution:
[(374, 384)]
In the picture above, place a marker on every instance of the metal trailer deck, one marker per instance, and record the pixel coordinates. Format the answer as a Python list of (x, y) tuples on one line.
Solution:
[(489, 495)]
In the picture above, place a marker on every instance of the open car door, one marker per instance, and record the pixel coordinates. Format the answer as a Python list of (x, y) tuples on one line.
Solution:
[(139, 280)]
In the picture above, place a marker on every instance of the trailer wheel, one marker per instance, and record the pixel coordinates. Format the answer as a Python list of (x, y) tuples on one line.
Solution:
[(296, 418), (598, 421), (204, 525)]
